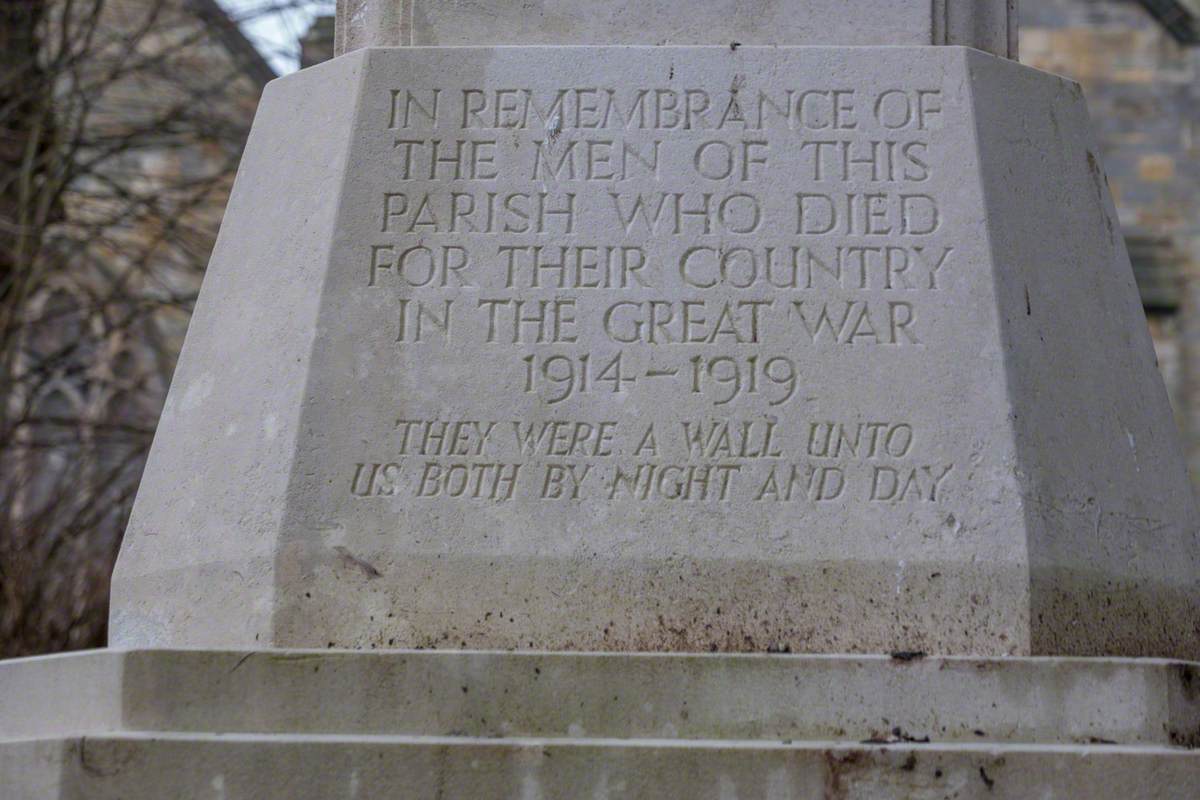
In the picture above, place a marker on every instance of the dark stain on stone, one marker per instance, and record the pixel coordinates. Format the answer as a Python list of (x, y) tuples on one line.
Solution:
[(1101, 184), (908, 655), (896, 736), (1186, 740), (1028, 304), (836, 765), (1189, 686), (910, 763), (902, 736), (1189, 681), (987, 781), (106, 760), (351, 560), (734, 45)]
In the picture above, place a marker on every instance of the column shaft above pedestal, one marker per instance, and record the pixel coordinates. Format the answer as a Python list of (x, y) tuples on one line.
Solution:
[(989, 25)]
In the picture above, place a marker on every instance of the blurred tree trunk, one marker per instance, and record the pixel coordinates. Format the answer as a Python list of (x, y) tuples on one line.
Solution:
[(26, 134)]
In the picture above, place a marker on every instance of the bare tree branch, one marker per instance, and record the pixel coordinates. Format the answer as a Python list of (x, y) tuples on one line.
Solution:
[(121, 125)]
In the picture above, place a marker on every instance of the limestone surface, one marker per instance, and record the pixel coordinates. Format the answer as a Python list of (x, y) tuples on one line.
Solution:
[(677, 348), (315, 725), (989, 25)]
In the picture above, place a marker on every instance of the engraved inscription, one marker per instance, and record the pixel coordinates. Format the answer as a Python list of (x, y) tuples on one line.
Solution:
[(599, 250), (692, 460)]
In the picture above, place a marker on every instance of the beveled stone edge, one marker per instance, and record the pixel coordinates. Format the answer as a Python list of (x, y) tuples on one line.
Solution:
[(880, 699)]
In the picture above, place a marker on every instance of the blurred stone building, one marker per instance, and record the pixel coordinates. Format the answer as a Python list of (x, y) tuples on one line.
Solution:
[(143, 107)]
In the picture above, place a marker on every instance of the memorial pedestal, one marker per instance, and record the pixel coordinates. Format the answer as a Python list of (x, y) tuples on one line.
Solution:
[(735, 348), (316, 725), (819, 349)]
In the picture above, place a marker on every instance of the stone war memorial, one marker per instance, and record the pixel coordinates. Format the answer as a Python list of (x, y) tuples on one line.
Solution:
[(721, 399)]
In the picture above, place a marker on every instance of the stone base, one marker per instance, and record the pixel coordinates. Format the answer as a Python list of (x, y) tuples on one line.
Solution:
[(476, 725)]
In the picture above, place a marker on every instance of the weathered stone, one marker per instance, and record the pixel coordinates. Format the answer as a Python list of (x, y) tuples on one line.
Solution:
[(675, 348), (737, 348), (314, 725), (124, 766), (989, 25), (612, 695)]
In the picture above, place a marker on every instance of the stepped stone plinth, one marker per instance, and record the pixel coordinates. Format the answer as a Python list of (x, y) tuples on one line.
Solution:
[(318, 725)]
